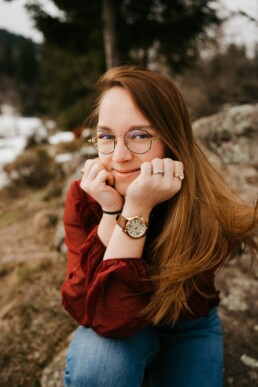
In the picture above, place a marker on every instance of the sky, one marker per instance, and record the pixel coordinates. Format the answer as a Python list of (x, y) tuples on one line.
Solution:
[(15, 18)]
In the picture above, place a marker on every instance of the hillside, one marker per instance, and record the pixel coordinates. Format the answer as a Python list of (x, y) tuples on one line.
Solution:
[(33, 325)]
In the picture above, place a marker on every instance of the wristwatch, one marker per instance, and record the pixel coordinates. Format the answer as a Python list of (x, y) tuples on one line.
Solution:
[(135, 227)]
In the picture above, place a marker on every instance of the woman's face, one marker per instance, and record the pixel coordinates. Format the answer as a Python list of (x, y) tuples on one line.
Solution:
[(118, 115)]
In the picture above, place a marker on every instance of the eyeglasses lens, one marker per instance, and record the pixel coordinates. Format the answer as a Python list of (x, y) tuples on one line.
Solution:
[(137, 141)]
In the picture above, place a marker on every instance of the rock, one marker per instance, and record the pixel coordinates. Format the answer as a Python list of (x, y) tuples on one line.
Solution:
[(45, 218), (231, 140), (232, 134), (59, 244), (235, 300), (73, 164), (52, 376), (249, 361)]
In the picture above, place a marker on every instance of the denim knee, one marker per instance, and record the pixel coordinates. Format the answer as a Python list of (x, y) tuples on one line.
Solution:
[(96, 361)]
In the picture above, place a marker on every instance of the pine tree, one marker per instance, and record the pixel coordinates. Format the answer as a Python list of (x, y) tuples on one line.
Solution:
[(129, 30)]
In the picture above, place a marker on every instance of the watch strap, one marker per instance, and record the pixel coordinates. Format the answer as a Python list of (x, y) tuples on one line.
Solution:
[(121, 221)]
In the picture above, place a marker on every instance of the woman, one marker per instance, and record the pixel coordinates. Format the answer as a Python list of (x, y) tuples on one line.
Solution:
[(147, 228)]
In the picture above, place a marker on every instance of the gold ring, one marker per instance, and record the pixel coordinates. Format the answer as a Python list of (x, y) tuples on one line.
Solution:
[(180, 176), (157, 172)]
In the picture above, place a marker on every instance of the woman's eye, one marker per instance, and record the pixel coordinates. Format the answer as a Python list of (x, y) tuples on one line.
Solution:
[(138, 134), (105, 136)]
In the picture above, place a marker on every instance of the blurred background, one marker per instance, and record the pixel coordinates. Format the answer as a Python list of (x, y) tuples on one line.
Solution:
[(51, 53)]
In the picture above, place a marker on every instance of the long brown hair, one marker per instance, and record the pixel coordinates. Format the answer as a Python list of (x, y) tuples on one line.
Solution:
[(205, 219)]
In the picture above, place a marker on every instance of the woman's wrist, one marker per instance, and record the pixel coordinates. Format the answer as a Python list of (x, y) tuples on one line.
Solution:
[(130, 211), (106, 227), (112, 212)]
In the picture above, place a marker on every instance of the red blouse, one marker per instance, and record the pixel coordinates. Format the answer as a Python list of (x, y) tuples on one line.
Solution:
[(108, 295)]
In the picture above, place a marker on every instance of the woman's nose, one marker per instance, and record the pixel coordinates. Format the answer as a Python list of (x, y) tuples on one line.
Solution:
[(121, 152)]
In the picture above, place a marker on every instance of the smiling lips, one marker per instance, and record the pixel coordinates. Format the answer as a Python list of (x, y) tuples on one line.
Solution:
[(124, 173)]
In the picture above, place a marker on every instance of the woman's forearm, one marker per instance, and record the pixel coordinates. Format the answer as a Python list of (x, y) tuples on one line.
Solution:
[(106, 228), (121, 245)]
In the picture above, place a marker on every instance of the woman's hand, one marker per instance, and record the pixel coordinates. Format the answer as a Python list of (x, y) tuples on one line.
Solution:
[(149, 189), (98, 182)]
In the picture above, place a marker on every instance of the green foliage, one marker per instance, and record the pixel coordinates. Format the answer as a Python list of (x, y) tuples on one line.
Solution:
[(19, 72), (73, 55), (7, 61), (67, 81), (27, 70), (171, 27), (147, 32)]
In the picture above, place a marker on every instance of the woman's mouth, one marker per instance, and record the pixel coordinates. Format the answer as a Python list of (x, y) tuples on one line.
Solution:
[(125, 173)]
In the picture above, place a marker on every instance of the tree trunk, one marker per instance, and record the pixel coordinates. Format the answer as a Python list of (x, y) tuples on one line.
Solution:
[(109, 33)]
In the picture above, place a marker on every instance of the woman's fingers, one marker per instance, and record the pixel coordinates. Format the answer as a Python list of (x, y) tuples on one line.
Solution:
[(157, 167), (166, 167), (178, 170), (94, 170), (169, 166), (156, 183), (91, 168), (174, 169), (104, 177), (146, 169)]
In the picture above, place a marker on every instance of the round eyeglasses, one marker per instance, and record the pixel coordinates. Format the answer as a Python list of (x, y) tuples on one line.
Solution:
[(136, 140)]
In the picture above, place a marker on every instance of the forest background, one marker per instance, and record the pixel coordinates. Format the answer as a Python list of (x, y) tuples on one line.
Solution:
[(181, 38)]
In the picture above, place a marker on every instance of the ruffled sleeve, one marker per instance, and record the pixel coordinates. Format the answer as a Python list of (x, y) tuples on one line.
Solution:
[(116, 296), (107, 295), (80, 223)]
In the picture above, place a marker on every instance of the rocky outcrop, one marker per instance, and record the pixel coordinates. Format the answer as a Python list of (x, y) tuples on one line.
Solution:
[(231, 134), (52, 375), (231, 141)]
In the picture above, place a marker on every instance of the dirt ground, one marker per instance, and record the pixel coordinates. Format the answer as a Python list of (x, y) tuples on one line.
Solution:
[(33, 326)]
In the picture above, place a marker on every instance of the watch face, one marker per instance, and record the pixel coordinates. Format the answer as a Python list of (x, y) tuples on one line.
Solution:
[(136, 228)]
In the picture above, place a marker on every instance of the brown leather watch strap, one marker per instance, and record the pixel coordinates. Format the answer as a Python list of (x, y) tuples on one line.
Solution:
[(121, 221)]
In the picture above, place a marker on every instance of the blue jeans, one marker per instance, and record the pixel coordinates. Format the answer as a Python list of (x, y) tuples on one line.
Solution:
[(188, 354)]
